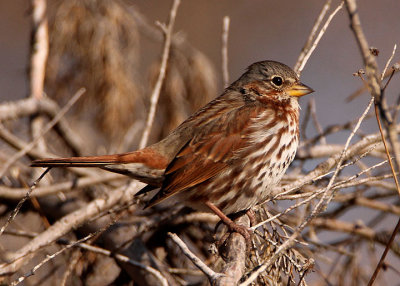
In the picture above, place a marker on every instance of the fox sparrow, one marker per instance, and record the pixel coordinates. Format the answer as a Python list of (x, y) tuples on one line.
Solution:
[(227, 156)]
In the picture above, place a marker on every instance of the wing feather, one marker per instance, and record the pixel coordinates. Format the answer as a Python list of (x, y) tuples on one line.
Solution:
[(208, 154)]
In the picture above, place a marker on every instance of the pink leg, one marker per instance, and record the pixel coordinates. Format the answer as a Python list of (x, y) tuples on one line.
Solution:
[(241, 229)]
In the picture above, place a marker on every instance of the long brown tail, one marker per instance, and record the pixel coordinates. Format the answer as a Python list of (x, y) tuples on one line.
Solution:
[(92, 161), (145, 165), (147, 157)]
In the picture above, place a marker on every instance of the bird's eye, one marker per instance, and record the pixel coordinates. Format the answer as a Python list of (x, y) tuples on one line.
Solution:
[(277, 80)]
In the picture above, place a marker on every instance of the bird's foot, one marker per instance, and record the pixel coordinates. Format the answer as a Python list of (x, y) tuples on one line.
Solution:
[(246, 232), (232, 226)]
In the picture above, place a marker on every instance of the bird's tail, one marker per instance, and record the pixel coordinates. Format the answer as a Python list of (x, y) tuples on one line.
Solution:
[(146, 165), (91, 161)]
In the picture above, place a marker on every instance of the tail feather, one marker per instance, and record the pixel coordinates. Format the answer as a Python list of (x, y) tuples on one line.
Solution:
[(93, 161), (148, 157)]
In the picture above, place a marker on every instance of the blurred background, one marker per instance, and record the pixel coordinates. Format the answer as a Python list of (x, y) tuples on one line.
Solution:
[(259, 30), (112, 48)]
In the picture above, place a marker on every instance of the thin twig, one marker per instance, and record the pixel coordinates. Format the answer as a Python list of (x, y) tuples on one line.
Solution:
[(21, 202), (387, 149), (31, 106), (42, 191), (311, 37), (317, 39), (388, 62), (364, 88), (318, 208), (353, 228), (72, 262), (313, 112), (320, 171), (371, 68), (211, 275), (163, 68), (49, 257), (123, 258), (396, 229), (324, 167)]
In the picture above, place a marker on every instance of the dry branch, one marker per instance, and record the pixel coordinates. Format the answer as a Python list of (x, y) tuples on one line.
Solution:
[(66, 224), (46, 128)]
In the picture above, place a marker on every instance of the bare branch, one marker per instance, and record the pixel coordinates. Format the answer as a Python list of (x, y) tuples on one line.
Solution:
[(311, 37), (388, 62), (123, 258), (66, 224), (163, 68), (302, 62), (49, 257), (211, 275), (21, 202), (18, 193), (47, 128)]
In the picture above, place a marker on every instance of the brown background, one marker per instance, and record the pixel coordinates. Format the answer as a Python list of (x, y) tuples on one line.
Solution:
[(259, 30)]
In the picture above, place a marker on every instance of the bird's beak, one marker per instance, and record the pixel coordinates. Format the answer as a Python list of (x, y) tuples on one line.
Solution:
[(299, 89)]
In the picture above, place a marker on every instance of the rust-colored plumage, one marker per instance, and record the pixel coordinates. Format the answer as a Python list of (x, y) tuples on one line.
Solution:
[(229, 154)]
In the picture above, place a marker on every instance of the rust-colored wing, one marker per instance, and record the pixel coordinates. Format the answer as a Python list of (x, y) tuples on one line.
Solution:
[(207, 154)]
